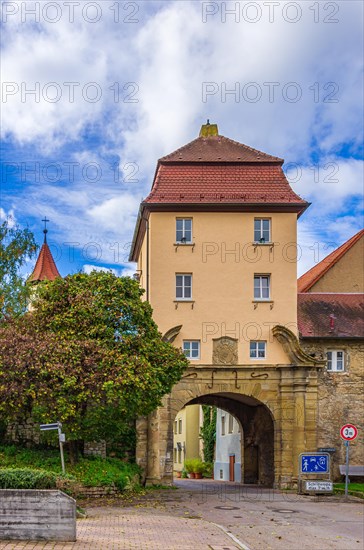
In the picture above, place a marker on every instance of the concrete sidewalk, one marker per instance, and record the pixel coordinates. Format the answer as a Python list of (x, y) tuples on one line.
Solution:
[(115, 528)]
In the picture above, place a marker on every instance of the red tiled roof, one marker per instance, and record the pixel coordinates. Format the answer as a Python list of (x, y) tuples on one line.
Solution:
[(218, 149), (306, 281), (216, 173), (45, 267), (222, 183), (329, 315)]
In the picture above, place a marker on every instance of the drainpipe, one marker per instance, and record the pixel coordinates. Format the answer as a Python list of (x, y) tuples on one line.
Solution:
[(147, 285)]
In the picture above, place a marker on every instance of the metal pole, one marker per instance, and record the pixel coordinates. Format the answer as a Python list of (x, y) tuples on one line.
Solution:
[(61, 447), (347, 443)]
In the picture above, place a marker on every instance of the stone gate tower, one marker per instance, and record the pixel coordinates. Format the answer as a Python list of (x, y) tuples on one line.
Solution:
[(215, 242)]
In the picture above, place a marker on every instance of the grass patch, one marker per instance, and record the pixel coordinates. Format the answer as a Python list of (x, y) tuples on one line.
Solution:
[(355, 489), (27, 478), (160, 487), (90, 471)]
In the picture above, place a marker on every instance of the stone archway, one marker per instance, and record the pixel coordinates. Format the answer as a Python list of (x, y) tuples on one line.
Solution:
[(276, 402)]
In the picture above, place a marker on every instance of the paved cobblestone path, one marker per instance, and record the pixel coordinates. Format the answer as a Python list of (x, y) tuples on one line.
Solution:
[(216, 516)]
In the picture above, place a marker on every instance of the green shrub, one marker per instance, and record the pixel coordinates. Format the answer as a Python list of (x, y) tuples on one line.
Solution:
[(98, 472), (189, 465), (208, 469), (27, 478), (16, 456), (197, 466), (194, 465), (90, 471)]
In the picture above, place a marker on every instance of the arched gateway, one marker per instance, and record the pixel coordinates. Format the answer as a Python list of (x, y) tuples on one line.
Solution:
[(275, 406), (215, 243)]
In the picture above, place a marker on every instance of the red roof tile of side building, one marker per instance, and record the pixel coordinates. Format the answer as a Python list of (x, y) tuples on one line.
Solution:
[(306, 281), (330, 315), (45, 267)]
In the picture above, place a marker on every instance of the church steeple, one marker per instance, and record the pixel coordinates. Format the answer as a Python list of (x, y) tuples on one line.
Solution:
[(45, 230), (45, 268)]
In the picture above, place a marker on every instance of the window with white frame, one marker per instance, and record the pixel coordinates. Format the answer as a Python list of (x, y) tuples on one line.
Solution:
[(183, 286), (335, 360), (258, 349), (223, 425), (191, 349), (231, 424), (180, 425), (262, 230), (261, 287), (183, 230)]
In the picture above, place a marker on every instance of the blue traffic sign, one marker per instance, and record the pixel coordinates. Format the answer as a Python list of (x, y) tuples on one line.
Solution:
[(315, 463)]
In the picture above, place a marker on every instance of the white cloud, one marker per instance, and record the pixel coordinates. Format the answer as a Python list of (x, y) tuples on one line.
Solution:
[(166, 57), (329, 182), (9, 216), (88, 268), (124, 271)]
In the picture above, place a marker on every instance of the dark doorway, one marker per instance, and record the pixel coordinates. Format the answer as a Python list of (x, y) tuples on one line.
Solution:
[(251, 464), (232, 468)]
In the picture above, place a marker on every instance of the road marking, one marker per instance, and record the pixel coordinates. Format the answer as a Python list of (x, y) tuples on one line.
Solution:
[(233, 537)]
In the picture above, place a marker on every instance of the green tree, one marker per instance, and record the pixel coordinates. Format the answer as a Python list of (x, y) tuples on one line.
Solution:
[(88, 355), (16, 247), (208, 432)]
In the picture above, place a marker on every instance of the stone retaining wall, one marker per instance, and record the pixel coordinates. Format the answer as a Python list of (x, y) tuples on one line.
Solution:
[(37, 515)]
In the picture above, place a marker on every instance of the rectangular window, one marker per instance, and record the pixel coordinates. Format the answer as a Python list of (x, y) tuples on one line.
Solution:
[(175, 426), (223, 425), (231, 424), (191, 349), (335, 360), (183, 286), (261, 287), (258, 349), (262, 230), (184, 230), (180, 426), (179, 456)]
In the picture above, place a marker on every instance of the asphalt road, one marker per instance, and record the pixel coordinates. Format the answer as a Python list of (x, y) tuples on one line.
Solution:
[(268, 519)]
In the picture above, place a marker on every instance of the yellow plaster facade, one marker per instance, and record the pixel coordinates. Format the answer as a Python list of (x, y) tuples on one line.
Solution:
[(186, 440), (346, 275)]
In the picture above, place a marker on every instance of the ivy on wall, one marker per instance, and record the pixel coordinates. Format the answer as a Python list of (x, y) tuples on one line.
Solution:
[(208, 432)]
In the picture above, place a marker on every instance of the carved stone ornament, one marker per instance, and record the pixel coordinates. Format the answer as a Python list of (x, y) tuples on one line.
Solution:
[(225, 351), (291, 346), (172, 334)]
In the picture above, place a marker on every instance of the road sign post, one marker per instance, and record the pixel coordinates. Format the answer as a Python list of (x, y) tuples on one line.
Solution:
[(348, 432), (61, 438), (317, 465), (347, 444)]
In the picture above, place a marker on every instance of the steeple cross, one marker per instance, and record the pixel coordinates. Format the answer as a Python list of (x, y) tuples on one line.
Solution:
[(45, 230), (45, 222)]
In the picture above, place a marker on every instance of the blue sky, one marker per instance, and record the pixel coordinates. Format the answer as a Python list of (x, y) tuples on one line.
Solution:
[(116, 85)]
